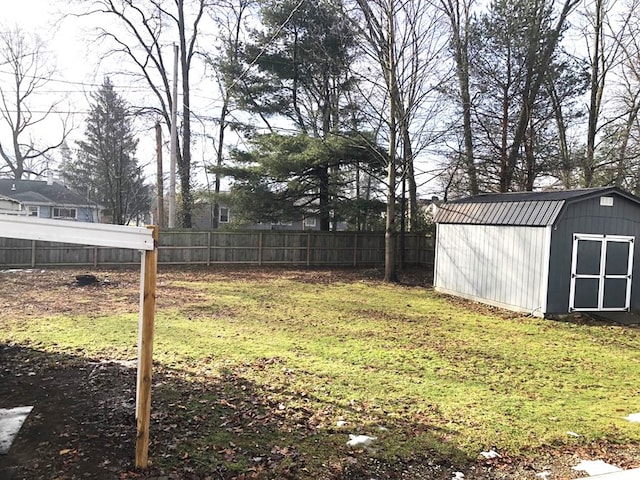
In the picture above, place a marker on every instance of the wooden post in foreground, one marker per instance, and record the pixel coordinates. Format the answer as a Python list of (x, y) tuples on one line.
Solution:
[(145, 351)]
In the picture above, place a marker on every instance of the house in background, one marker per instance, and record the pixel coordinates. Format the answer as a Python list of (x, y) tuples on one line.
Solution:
[(45, 199), (203, 212)]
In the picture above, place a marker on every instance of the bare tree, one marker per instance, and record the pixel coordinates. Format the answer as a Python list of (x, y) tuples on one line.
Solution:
[(403, 41), (379, 30), (616, 161), (143, 36), (30, 71), (541, 46), (603, 40), (420, 49), (458, 13), (230, 19)]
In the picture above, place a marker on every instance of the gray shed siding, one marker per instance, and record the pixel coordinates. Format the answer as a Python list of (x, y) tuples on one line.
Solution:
[(502, 265), (588, 216)]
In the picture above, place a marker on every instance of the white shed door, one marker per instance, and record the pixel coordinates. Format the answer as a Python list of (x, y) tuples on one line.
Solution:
[(601, 267)]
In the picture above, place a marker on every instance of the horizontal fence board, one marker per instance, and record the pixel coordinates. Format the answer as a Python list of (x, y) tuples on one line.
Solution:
[(178, 247)]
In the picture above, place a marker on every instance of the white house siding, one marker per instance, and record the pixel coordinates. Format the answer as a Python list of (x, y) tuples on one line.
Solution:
[(500, 265)]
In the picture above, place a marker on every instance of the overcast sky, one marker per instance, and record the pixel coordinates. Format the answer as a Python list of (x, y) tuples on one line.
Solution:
[(78, 76)]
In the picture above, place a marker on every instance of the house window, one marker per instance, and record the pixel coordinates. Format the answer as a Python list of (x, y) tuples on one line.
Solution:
[(64, 213), (224, 215), (33, 211), (310, 222)]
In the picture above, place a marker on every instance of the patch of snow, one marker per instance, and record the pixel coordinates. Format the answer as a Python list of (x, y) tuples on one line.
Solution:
[(458, 476), (543, 475), (573, 434), (490, 454), (634, 417), (360, 440), (596, 467), (341, 423), (383, 429), (11, 421), (20, 270)]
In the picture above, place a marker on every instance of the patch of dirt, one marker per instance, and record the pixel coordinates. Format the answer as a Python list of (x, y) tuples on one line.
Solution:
[(83, 422)]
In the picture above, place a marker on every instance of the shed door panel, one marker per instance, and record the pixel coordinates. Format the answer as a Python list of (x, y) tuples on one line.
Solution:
[(586, 296), (615, 293), (617, 261), (601, 269), (588, 258)]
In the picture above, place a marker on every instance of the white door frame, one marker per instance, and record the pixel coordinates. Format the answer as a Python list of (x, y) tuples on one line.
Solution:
[(602, 275)]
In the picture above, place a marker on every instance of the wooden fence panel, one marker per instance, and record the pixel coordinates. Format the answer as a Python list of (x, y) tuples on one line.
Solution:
[(115, 256), (284, 247), (62, 254), (187, 247), (15, 252)]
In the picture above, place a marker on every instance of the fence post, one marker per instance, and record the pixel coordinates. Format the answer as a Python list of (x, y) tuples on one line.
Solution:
[(308, 248), (95, 257), (260, 248), (208, 249), (33, 253), (355, 249)]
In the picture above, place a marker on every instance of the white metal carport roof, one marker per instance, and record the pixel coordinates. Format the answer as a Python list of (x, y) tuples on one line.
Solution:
[(118, 236)]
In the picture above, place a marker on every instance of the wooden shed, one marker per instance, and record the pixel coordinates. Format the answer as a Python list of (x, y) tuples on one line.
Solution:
[(544, 253)]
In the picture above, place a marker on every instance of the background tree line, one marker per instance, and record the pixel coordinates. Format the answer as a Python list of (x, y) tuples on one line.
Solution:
[(346, 110)]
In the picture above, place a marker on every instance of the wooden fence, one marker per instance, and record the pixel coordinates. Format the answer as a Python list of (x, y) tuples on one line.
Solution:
[(215, 247)]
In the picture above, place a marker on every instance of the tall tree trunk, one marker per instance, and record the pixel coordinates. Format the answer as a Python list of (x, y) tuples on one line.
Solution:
[(624, 141), (410, 176), (219, 158), (459, 35), (505, 176), (186, 200), (529, 151), (390, 267), (595, 97), (566, 165), (323, 198)]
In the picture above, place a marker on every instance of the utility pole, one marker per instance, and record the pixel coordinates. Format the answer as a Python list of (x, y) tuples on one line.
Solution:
[(159, 177), (174, 142)]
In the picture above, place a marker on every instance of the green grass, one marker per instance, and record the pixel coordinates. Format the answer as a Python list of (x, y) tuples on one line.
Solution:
[(440, 377)]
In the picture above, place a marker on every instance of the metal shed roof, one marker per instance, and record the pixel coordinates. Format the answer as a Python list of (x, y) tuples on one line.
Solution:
[(536, 209)]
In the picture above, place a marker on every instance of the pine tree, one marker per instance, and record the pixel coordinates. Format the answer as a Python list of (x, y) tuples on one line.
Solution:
[(106, 167)]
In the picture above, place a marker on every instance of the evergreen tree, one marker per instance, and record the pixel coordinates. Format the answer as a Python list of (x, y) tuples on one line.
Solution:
[(516, 55), (106, 167), (298, 68), (282, 178), (302, 57)]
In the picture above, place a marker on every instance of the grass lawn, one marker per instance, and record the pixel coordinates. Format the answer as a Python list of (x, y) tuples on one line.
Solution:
[(269, 364)]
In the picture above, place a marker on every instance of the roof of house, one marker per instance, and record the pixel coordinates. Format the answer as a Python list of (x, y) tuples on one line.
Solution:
[(36, 192), (519, 208)]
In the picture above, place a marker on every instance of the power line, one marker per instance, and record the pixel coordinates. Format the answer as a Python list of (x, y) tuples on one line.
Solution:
[(70, 82), (132, 88)]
